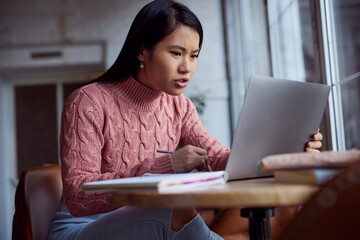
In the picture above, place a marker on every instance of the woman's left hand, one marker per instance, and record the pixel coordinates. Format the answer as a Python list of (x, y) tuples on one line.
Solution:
[(314, 145)]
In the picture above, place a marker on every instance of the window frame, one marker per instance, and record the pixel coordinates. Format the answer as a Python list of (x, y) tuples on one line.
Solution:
[(326, 12)]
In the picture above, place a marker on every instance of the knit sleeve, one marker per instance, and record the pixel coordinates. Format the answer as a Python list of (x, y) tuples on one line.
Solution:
[(80, 147), (193, 133)]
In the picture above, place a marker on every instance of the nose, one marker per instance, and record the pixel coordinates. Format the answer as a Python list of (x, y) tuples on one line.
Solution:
[(185, 66)]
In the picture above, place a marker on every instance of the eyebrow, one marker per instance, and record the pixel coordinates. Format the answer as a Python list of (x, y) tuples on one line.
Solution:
[(182, 48)]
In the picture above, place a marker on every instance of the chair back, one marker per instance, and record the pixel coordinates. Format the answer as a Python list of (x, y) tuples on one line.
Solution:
[(332, 213), (37, 196)]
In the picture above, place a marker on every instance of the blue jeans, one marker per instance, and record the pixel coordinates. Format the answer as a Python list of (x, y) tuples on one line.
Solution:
[(126, 223)]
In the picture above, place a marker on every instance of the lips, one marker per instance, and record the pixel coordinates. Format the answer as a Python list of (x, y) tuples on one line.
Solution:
[(181, 83)]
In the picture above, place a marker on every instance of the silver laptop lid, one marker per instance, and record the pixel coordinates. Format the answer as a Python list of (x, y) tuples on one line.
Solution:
[(278, 116)]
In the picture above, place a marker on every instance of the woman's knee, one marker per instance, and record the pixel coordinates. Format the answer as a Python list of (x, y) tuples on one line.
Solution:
[(180, 217), (131, 222)]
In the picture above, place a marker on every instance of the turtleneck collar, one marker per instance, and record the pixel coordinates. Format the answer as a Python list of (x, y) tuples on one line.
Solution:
[(138, 94)]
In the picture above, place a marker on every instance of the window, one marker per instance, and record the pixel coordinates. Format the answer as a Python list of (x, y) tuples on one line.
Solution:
[(292, 40), (342, 22), (313, 41), (247, 48)]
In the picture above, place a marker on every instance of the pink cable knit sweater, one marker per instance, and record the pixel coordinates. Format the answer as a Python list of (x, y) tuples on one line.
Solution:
[(112, 130)]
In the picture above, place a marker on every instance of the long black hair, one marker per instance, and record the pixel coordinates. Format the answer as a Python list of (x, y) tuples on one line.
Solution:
[(154, 22)]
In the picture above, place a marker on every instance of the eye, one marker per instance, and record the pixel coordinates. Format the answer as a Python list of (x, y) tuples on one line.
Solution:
[(175, 53), (195, 56)]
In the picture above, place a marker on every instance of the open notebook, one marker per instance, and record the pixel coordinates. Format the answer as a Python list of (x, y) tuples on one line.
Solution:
[(162, 182)]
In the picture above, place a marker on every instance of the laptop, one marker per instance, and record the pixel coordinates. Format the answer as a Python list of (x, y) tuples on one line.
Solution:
[(278, 116)]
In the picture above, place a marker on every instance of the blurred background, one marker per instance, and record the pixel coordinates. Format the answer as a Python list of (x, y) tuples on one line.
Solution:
[(48, 48)]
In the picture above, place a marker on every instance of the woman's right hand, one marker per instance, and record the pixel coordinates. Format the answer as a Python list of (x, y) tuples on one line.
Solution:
[(189, 157)]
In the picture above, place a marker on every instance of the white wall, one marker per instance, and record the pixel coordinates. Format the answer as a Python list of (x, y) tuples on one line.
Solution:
[(31, 23)]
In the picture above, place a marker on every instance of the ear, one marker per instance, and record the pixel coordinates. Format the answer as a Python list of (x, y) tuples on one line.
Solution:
[(141, 54)]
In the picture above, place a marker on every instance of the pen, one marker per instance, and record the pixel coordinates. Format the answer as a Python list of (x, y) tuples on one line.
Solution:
[(164, 151), (171, 152)]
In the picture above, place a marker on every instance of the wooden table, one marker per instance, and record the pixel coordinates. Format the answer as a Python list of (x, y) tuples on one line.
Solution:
[(257, 198)]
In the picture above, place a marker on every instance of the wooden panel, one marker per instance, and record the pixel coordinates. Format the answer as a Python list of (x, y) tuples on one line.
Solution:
[(36, 126)]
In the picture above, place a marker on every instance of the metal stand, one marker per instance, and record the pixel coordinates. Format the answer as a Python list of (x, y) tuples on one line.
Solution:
[(259, 222)]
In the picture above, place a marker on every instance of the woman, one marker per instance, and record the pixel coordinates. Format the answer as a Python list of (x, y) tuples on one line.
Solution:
[(112, 127)]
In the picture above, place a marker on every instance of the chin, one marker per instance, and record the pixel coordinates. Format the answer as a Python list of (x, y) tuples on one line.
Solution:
[(175, 92)]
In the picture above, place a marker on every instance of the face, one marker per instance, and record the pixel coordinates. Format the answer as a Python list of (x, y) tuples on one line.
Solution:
[(171, 65)]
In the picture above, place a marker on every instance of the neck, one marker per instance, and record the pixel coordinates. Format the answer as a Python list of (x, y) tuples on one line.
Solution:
[(139, 95)]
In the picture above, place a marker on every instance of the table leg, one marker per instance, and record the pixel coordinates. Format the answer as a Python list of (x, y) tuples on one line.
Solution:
[(259, 222)]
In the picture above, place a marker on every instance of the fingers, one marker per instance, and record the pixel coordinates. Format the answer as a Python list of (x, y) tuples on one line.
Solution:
[(207, 164), (208, 167), (314, 144), (197, 150), (318, 136), (205, 160), (203, 163), (189, 158), (311, 150)]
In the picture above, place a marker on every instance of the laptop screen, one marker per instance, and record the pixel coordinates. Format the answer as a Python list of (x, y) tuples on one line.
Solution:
[(278, 116)]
